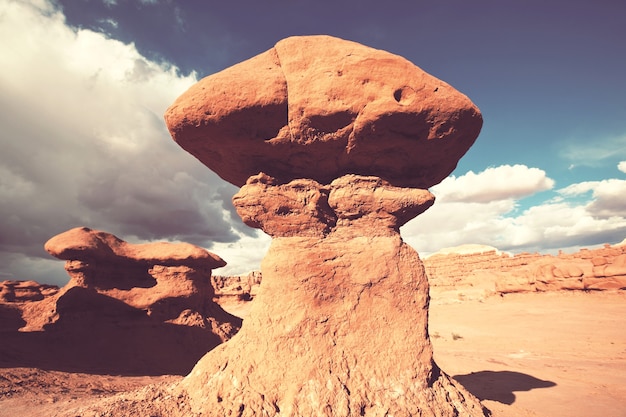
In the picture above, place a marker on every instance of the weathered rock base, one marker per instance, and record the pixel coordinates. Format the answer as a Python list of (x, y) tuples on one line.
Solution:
[(340, 324)]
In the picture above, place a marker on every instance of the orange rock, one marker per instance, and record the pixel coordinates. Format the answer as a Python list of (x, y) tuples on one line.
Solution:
[(304, 207), (598, 260), (319, 107), (82, 243), (25, 291), (614, 269)]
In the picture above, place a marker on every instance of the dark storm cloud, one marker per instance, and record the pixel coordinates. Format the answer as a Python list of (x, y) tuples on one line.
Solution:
[(84, 144)]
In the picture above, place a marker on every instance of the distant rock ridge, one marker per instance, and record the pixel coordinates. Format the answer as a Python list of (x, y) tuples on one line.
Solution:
[(469, 248), (238, 287), (12, 291), (487, 271)]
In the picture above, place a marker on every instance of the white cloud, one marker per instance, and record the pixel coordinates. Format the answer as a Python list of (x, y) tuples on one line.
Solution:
[(244, 255), (608, 197), (593, 153), (560, 222), (84, 143), (495, 183), (108, 23), (622, 166)]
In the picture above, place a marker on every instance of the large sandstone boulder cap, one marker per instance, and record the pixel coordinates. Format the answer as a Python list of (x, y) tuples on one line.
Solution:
[(319, 107)]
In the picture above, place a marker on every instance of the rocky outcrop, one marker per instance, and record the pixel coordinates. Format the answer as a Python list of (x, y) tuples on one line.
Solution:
[(239, 287), (319, 107), (486, 272), (138, 309), (163, 279)]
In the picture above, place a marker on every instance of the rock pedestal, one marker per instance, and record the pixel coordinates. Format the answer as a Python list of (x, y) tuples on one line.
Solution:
[(340, 324)]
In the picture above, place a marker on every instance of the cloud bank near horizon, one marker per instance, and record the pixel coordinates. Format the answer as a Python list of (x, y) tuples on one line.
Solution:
[(483, 208), (84, 144)]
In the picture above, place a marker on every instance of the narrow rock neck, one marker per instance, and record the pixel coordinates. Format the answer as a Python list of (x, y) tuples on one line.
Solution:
[(351, 205)]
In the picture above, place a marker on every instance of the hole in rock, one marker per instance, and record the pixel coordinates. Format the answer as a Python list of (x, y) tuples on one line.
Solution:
[(398, 94), (404, 95)]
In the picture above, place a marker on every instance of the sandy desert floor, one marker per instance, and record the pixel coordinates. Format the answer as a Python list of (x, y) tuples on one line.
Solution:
[(525, 355), (539, 354)]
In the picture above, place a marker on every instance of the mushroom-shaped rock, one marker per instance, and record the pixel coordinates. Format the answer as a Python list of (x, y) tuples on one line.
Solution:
[(138, 274), (319, 107), (156, 297)]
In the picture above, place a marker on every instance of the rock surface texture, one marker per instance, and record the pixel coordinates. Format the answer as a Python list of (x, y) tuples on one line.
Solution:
[(319, 107), (334, 144), (131, 309)]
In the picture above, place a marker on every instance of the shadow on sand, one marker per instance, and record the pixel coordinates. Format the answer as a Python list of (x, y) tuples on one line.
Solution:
[(500, 385)]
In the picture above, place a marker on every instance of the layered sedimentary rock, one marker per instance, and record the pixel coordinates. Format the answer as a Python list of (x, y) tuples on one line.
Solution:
[(319, 107), (127, 308), (489, 271), (163, 279), (336, 144)]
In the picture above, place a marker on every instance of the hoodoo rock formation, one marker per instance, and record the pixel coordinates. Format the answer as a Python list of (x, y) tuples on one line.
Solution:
[(335, 143), (121, 303)]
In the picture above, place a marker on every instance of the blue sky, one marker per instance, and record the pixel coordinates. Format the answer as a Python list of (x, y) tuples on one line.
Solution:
[(84, 85)]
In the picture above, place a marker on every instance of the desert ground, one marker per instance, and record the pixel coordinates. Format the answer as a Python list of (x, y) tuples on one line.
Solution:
[(537, 354), (525, 355)]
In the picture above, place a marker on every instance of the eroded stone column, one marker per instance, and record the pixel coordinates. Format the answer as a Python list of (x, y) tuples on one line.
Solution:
[(340, 324)]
